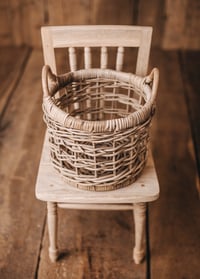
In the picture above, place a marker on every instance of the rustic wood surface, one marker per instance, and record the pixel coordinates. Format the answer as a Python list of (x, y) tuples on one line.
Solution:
[(22, 216), (174, 219), (176, 23), (97, 244), (190, 65), (13, 61)]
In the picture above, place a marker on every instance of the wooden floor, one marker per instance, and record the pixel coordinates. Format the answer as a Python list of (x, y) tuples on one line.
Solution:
[(99, 244)]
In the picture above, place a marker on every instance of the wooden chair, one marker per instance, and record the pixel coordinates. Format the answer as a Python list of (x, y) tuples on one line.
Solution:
[(50, 187)]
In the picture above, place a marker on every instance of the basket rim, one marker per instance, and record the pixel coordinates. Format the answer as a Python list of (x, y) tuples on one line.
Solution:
[(52, 83)]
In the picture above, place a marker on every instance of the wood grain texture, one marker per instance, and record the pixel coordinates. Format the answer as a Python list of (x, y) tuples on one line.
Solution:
[(190, 64), (174, 219), (15, 22), (112, 12), (182, 25), (152, 13), (13, 61), (22, 216), (5, 24), (175, 23), (36, 13), (192, 25), (94, 244)]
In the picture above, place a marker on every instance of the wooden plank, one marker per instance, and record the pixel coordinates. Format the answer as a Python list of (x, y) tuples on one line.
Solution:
[(77, 12), (22, 216), (26, 21), (190, 65), (112, 12), (5, 24), (151, 13), (192, 25), (55, 11), (174, 218), (16, 22), (36, 15), (175, 23), (181, 27), (175, 20), (13, 61), (97, 12)]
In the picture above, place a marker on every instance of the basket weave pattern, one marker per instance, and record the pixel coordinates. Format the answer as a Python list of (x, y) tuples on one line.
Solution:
[(98, 126)]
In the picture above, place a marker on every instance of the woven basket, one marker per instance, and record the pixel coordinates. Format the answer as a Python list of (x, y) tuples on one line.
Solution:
[(98, 125)]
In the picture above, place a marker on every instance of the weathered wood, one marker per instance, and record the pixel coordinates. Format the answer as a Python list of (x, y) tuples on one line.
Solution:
[(112, 12), (22, 216), (54, 11), (152, 13), (5, 24), (13, 61), (190, 65), (174, 219), (94, 244), (181, 25), (192, 25), (16, 22), (176, 23), (36, 12)]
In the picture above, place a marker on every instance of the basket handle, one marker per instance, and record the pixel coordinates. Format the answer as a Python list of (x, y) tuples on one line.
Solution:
[(49, 81), (52, 83), (152, 79)]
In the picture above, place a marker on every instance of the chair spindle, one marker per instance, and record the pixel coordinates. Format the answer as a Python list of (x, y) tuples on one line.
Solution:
[(120, 58), (104, 57)]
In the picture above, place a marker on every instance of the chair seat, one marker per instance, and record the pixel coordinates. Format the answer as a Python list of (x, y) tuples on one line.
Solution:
[(50, 186)]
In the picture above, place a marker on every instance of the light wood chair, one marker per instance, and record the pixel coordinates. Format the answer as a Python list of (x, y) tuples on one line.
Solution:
[(49, 186)]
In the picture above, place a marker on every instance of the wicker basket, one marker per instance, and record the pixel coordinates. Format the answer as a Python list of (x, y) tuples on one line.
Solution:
[(98, 125)]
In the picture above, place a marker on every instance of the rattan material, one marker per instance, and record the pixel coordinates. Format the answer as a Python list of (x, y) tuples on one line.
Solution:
[(98, 125)]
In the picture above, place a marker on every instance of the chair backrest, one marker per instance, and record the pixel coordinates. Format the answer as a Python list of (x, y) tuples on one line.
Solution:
[(101, 36)]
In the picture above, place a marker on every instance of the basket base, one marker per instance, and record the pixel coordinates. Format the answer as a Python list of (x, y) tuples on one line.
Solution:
[(103, 187)]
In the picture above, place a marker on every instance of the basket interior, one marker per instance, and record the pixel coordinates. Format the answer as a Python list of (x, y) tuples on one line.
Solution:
[(100, 99)]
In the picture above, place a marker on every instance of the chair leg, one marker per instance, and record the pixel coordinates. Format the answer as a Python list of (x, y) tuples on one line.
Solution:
[(52, 228), (139, 212)]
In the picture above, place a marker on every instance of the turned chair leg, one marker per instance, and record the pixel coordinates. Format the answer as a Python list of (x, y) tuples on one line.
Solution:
[(139, 213), (52, 229)]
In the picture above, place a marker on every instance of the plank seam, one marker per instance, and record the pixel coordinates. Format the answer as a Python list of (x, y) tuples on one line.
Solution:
[(40, 248)]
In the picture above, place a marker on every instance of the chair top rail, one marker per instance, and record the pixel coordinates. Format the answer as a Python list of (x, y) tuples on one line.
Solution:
[(99, 35)]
